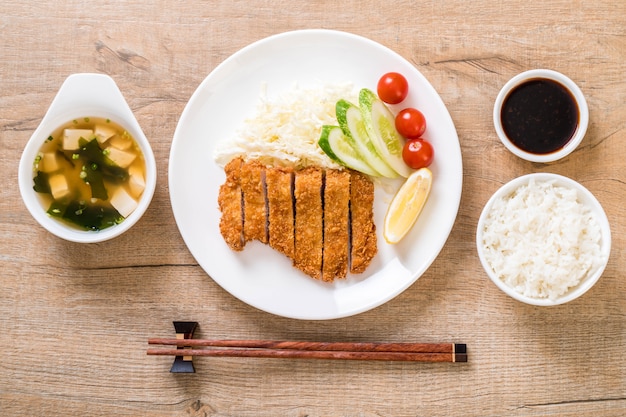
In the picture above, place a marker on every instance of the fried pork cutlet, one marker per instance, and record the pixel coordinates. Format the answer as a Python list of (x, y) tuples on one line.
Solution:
[(279, 186), (321, 219), (336, 224), (363, 229), (230, 203), (308, 185), (254, 208)]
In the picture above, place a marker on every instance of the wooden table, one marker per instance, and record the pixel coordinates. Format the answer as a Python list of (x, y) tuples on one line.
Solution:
[(75, 319)]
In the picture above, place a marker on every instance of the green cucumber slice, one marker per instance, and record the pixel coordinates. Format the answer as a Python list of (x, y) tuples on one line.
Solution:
[(381, 127), (351, 123), (340, 148)]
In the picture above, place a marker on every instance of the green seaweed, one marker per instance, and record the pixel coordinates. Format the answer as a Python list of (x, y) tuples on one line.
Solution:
[(42, 185), (86, 216)]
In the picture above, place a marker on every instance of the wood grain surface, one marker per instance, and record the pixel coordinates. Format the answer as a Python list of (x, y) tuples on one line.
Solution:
[(75, 319)]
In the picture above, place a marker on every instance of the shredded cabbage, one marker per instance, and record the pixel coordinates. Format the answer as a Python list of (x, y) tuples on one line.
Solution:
[(285, 131)]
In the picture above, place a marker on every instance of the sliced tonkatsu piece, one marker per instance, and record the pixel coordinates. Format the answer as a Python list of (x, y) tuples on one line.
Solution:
[(321, 219), (336, 224), (230, 202), (308, 186), (254, 207), (279, 186), (363, 229)]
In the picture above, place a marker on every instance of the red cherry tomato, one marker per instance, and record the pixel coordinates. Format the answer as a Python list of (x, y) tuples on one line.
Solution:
[(392, 88), (418, 153), (410, 123)]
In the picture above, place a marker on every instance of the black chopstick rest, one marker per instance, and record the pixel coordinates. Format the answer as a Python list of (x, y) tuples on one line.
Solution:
[(184, 330)]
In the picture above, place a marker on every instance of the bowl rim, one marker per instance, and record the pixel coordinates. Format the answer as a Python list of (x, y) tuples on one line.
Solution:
[(562, 79), (585, 196), (67, 106)]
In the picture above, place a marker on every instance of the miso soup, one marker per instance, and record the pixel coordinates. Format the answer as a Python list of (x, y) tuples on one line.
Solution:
[(90, 173)]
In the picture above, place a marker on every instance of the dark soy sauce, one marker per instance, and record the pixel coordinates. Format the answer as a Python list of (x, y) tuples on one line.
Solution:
[(540, 116)]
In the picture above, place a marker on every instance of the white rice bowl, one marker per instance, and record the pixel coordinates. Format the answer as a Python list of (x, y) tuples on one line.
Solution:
[(543, 239)]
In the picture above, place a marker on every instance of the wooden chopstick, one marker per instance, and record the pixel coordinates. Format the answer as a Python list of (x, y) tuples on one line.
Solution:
[(421, 352), (314, 354), (343, 346)]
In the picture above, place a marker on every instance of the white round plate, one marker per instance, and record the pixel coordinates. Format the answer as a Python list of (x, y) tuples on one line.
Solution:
[(258, 275)]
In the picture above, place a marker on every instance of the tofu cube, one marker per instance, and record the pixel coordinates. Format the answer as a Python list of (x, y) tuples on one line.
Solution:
[(120, 157), (122, 142), (58, 186), (49, 162), (123, 202), (103, 132), (71, 137), (136, 181)]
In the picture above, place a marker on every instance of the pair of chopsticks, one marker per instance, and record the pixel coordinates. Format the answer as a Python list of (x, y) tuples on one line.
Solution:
[(415, 352)]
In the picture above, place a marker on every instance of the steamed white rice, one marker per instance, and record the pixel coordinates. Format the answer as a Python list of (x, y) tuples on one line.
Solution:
[(541, 241)]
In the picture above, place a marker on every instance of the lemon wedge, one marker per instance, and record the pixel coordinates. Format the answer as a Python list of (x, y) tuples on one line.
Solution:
[(407, 205)]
